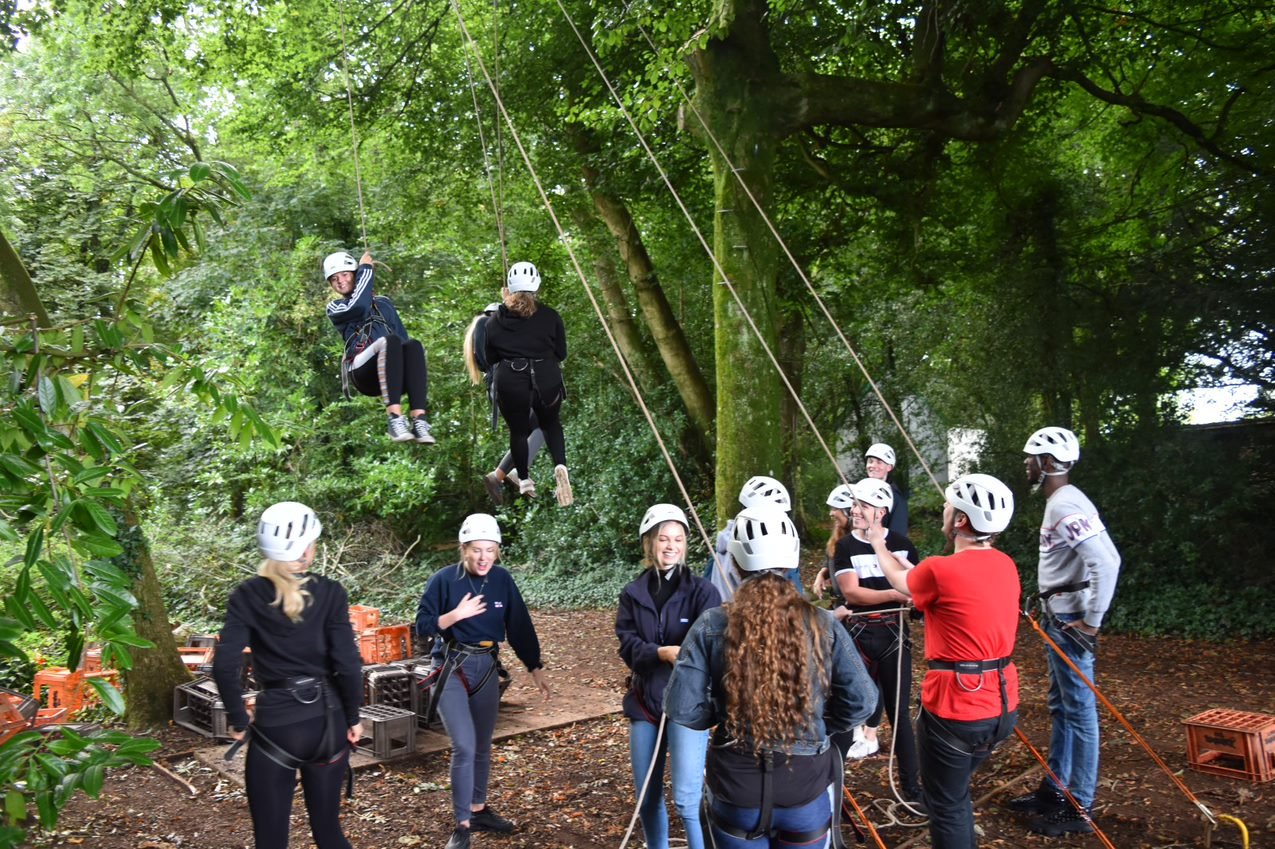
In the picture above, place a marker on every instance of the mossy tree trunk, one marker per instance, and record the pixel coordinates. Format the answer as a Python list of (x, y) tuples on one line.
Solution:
[(148, 686), (18, 295)]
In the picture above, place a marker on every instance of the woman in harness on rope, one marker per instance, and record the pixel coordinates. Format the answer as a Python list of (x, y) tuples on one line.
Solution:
[(381, 360), (480, 371), (656, 610), (773, 773), (310, 676), (472, 606), (526, 344), (969, 698)]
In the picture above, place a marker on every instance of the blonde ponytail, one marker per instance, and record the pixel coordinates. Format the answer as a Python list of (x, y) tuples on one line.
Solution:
[(290, 594), (471, 357)]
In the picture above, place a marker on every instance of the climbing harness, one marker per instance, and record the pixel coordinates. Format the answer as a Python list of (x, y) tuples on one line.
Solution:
[(307, 690), (455, 655), (359, 343)]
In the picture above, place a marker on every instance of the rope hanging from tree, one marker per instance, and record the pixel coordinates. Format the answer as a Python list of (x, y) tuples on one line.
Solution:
[(354, 130)]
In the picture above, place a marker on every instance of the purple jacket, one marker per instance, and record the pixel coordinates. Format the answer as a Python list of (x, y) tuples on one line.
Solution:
[(642, 631)]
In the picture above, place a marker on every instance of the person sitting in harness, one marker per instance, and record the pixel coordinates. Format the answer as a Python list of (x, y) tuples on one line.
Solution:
[(773, 774), (380, 359)]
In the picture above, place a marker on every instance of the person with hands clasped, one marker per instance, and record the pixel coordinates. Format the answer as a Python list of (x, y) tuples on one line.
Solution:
[(969, 698), (380, 360), (310, 677), (656, 611), (472, 607)]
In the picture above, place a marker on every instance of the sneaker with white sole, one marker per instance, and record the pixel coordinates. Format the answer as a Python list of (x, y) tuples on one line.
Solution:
[(562, 486), (861, 749), (527, 488), (495, 487), (512, 477), (420, 431), (400, 430)]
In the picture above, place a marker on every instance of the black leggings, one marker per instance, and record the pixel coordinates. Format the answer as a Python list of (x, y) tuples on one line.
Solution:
[(519, 396), (397, 365), (879, 646), (271, 786)]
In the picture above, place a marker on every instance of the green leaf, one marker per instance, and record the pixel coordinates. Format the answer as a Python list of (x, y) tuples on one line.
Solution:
[(96, 545), (47, 392), (47, 810), (74, 649), (106, 437), (35, 543), (17, 609), (15, 806), (114, 596), (98, 517), (30, 421), (18, 466), (200, 171), (10, 629), (110, 696), (42, 612)]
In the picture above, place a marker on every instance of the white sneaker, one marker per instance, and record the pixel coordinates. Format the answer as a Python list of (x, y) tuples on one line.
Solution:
[(863, 748), (562, 486), (527, 488), (400, 430), (420, 431), (512, 477)]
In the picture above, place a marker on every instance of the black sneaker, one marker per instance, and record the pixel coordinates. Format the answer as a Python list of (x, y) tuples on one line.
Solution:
[(489, 820), (1063, 821), (460, 839), (1042, 801)]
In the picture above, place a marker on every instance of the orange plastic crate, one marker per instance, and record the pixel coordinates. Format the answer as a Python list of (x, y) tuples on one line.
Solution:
[(1233, 743), (11, 719), (364, 618), (50, 716), (389, 642), (59, 687)]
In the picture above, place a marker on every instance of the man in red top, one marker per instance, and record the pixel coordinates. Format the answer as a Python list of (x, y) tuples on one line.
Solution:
[(969, 698)]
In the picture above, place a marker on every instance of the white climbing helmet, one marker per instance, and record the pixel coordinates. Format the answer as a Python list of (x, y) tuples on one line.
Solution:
[(286, 530), (762, 538), (875, 492), (842, 497), (1057, 442), (479, 526), (658, 514), (881, 451), (762, 490), (987, 502), (339, 261), (523, 277)]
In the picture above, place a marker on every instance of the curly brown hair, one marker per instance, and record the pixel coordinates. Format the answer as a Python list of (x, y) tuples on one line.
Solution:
[(521, 303), (773, 640)]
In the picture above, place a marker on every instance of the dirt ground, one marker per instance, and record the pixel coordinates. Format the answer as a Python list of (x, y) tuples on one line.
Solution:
[(571, 787)]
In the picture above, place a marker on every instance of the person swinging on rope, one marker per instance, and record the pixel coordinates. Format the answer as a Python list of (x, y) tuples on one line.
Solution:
[(381, 360), (480, 372), (526, 344)]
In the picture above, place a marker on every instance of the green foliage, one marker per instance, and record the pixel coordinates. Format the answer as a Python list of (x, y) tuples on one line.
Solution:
[(52, 768)]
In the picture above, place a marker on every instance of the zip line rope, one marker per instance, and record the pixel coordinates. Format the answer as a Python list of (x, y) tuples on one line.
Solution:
[(783, 245), (487, 170), (703, 242), (354, 131)]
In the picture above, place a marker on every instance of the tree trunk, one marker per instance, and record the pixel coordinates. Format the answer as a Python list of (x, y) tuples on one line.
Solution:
[(663, 325), (732, 76), (636, 351), (148, 686), (18, 295)]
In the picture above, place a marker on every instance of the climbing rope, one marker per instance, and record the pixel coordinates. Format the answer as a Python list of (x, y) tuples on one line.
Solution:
[(496, 200), (354, 130)]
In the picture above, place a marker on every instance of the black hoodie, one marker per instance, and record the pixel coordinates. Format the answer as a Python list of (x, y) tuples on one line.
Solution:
[(322, 645)]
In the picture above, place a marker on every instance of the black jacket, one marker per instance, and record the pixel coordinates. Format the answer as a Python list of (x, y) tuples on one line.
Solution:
[(321, 645)]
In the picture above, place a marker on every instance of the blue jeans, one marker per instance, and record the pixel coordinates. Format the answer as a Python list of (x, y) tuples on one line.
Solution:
[(685, 749), (1073, 742), (813, 815)]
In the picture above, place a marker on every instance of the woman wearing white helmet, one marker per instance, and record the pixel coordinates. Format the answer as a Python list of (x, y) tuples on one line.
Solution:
[(772, 772), (473, 606), (656, 610), (310, 675), (480, 371), (759, 490), (969, 699), (526, 344), (381, 360)]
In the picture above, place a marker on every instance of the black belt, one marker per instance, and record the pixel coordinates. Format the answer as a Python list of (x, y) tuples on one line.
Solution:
[(1073, 587), (970, 667)]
